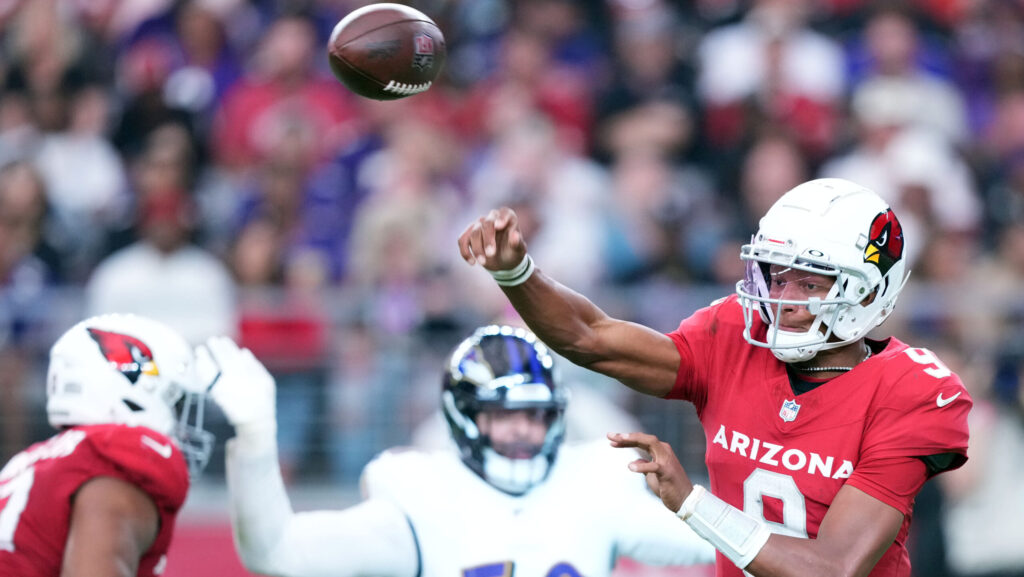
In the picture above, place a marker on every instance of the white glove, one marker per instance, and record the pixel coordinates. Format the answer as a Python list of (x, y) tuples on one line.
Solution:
[(242, 387)]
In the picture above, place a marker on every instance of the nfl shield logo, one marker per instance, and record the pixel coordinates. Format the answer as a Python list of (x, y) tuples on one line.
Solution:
[(789, 410), (423, 51)]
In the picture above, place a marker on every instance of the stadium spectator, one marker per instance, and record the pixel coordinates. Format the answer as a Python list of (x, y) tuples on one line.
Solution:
[(664, 221), (28, 268), (898, 54), (101, 496), (771, 68), (85, 180), (917, 171), (283, 95), (818, 438), (527, 165), (512, 497), (649, 71), (164, 274), (526, 80)]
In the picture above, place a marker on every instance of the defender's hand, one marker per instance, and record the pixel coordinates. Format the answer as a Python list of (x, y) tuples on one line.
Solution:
[(665, 475), (243, 388), (494, 241)]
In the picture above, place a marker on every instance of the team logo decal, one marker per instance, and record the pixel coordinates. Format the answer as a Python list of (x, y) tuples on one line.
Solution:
[(423, 52), (885, 241), (789, 410), (127, 354)]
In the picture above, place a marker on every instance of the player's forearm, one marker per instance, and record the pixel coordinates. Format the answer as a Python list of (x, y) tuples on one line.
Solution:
[(563, 319), (637, 356), (370, 538), (784, 556), (260, 508)]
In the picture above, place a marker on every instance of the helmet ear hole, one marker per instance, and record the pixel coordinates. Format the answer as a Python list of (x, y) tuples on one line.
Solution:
[(133, 406)]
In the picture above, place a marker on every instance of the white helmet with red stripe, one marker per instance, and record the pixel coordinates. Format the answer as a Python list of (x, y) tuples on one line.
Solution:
[(830, 227)]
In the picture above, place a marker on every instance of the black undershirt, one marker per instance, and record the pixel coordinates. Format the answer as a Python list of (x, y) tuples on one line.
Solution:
[(801, 384)]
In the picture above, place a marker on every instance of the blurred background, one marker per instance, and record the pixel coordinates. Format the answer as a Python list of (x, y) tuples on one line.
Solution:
[(194, 160)]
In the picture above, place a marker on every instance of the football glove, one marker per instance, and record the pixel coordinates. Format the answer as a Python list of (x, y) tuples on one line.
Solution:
[(241, 385)]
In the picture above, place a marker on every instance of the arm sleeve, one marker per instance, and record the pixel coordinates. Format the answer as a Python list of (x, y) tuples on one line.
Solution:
[(894, 481), (163, 477), (911, 423), (695, 339), (373, 537), (911, 437)]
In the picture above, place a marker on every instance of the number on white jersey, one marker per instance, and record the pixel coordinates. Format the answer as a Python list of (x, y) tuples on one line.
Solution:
[(15, 492)]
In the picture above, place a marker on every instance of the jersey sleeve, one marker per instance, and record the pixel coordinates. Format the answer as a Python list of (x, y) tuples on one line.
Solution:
[(371, 538), (147, 459), (894, 481), (919, 429), (920, 418), (697, 339)]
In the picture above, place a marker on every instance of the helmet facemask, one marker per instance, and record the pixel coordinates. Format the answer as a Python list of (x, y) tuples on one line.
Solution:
[(824, 332), (195, 442), (503, 369)]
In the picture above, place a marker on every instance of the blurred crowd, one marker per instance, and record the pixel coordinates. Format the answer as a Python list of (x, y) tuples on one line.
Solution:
[(194, 160)]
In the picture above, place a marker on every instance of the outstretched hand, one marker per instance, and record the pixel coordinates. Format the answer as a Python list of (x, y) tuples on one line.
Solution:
[(242, 387), (494, 241), (665, 475)]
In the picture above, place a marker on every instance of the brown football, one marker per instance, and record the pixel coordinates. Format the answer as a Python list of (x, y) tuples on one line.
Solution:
[(386, 51)]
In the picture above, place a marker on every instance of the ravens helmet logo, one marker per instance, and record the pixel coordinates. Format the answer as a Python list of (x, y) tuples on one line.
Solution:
[(127, 354), (885, 244)]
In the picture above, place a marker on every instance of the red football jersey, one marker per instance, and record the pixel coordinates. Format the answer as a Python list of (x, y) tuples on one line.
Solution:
[(37, 486), (783, 457)]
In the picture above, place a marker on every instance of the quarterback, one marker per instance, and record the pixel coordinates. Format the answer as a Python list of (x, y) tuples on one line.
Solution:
[(101, 496), (818, 438), (509, 498)]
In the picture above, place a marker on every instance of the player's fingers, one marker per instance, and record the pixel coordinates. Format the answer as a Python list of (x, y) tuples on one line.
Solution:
[(505, 218), (464, 249), (223, 349), (661, 451), (511, 224), (490, 234), (471, 253), (476, 242), (642, 466), (638, 440), (515, 238), (619, 439)]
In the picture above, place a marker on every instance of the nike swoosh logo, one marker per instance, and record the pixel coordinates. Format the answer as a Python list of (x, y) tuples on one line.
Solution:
[(165, 450), (943, 402)]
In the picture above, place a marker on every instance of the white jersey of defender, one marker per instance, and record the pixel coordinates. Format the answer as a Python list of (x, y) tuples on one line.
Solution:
[(590, 509), (427, 514)]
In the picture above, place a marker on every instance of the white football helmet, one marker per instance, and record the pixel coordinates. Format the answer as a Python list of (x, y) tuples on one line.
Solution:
[(130, 370), (830, 227)]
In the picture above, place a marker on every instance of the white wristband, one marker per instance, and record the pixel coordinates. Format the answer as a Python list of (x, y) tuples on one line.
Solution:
[(515, 276), (736, 534)]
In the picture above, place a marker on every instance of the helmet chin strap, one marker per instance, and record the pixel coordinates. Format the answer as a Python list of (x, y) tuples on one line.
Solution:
[(515, 476), (787, 347)]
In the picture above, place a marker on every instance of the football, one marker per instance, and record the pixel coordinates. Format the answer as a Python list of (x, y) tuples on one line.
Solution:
[(386, 51)]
